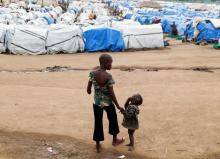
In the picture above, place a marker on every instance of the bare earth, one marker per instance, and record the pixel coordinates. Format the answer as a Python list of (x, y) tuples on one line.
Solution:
[(180, 117)]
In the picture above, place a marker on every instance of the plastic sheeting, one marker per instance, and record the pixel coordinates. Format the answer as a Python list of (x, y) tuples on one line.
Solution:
[(142, 36), (207, 32), (124, 23), (2, 38), (64, 39), (180, 25), (189, 33), (215, 22), (27, 40), (103, 39)]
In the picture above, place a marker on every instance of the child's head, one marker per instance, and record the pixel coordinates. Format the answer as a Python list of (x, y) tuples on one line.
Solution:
[(105, 61), (136, 99)]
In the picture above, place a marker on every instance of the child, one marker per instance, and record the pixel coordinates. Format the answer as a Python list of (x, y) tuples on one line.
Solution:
[(130, 120), (104, 99)]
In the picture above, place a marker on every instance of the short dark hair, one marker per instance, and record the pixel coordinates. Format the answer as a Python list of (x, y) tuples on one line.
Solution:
[(138, 100), (104, 58)]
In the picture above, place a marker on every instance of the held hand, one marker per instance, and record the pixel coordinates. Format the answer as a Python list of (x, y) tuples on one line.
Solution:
[(121, 109)]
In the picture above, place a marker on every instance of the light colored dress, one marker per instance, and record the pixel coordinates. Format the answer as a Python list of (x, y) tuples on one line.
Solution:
[(130, 120)]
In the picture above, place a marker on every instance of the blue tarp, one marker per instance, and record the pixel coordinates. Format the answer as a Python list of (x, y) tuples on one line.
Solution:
[(189, 31), (207, 32), (103, 39), (49, 19), (166, 26), (180, 24), (143, 19), (128, 16)]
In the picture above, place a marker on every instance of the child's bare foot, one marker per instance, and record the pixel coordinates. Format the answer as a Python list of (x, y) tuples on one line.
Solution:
[(118, 142), (129, 144), (131, 148)]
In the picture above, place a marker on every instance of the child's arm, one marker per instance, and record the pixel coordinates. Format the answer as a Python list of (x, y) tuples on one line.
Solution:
[(127, 102), (89, 87), (114, 99)]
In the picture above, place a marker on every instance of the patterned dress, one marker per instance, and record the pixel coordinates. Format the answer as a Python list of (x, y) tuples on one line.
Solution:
[(102, 96), (130, 120)]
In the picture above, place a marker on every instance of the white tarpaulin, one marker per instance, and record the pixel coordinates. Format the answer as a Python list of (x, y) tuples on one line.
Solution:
[(142, 36), (27, 40), (215, 22), (118, 24), (2, 38), (64, 39)]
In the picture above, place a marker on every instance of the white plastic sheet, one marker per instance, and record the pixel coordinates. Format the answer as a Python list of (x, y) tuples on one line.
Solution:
[(64, 39), (27, 40), (2, 38), (142, 36), (215, 22)]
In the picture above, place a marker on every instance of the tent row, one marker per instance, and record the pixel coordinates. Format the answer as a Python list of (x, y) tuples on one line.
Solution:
[(110, 26), (40, 40), (27, 39), (77, 13), (199, 22)]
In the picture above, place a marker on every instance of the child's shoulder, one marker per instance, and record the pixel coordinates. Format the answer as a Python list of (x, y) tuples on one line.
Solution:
[(102, 74), (91, 73)]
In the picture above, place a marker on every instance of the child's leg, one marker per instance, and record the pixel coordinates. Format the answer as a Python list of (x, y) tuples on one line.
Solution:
[(113, 124), (98, 128), (131, 137)]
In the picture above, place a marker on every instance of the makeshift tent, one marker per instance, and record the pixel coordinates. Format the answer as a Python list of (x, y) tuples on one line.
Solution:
[(64, 39), (207, 32), (103, 39), (66, 18), (142, 36), (26, 40), (167, 24)]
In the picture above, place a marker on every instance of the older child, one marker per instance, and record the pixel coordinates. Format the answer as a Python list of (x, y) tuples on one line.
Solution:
[(104, 99), (130, 120)]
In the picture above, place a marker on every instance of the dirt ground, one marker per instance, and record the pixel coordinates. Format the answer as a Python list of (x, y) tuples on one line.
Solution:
[(44, 109)]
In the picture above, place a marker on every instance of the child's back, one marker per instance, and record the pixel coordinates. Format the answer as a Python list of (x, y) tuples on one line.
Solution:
[(101, 81), (101, 77), (130, 120)]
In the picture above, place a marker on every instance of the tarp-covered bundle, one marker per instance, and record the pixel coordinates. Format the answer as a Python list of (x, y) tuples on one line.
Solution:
[(142, 36), (103, 39), (26, 40), (66, 39), (66, 18)]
